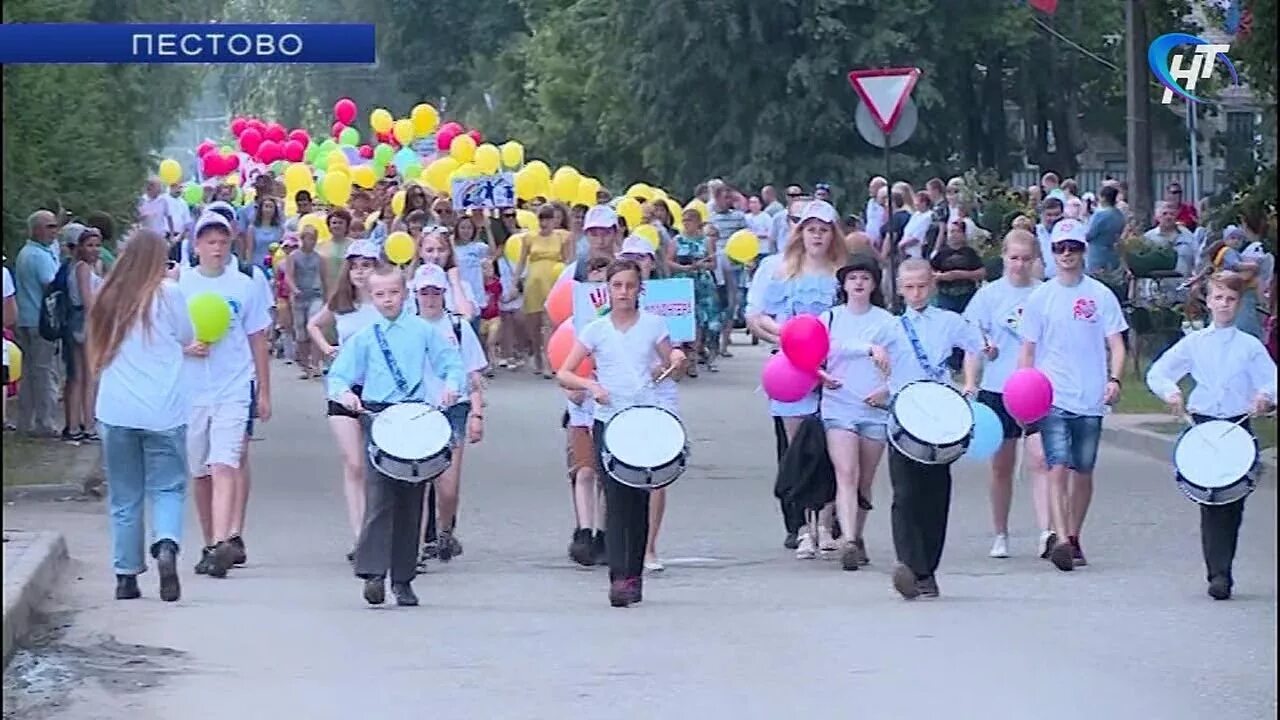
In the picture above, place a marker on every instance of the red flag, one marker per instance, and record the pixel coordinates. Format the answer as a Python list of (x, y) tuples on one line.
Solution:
[(1048, 7)]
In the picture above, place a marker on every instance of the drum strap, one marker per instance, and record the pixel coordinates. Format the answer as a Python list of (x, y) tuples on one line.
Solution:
[(934, 372), (401, 384)]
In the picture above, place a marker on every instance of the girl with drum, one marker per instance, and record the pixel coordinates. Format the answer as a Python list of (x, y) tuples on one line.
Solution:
[(625, 344), (348, 311), (854, 395), (920, 344), (800, 280), (1234, 379), (996, 310)]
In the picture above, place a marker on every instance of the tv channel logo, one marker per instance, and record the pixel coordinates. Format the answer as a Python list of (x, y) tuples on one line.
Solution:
[(1170, 70)]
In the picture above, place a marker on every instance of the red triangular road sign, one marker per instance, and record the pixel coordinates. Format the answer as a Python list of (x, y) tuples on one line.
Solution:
[(885, 91)]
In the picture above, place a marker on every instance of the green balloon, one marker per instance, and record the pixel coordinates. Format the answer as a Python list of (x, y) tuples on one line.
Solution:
[(193, 194), (321, 162), (382, 154), (309, 155), (412, 171), (227, 150), (328, 146), (210, 316), (349, 136)]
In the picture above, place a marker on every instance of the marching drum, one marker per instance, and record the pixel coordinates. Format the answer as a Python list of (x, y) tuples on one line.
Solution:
[(930, 423), (1215, 462), (411, 442), (645, 447)]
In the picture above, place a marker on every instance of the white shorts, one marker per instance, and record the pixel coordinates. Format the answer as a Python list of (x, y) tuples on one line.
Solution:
[(215, 436)]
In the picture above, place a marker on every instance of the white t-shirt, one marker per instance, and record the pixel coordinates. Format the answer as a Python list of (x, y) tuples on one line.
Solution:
[(849, 361), (1070, 326), (507, 276), (225, 374), (144, 386), (917, 229), (179, 213), (767, 268), (153, 213), (581, 415), (761, 224), (348, 324), (473, 359), (624, 360), (9, 289), (997, 310)]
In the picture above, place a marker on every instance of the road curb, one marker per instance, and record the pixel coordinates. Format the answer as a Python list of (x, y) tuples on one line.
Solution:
[(48, 491), (1159, 446), (32, 562)]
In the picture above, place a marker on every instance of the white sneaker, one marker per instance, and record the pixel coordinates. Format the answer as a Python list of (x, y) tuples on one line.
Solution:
[(1000, 547), (806, 549), (827, 543), (654, 565), (1046, 544)]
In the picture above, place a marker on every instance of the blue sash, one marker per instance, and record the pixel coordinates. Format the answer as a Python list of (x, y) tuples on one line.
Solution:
[(401, 384), (935, 373)]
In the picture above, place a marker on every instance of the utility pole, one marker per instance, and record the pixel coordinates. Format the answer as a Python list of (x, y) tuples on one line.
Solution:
[(1138, 112)]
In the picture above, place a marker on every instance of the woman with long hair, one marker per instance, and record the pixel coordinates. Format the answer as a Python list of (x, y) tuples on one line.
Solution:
[(82, 287), (348, 311), (542, 253), (471, 252), (137, 328), (435, 248), (267, 229)]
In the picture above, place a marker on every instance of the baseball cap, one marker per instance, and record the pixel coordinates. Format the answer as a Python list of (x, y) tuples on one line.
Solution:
[(211, 220), (1069, 229), (600, 216), (364, 249), (430, 275), (819, 210), (822, 186), (635, 245), (1231, 231)]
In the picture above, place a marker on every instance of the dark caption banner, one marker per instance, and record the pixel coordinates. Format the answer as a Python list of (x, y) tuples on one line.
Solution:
[(170, 43)]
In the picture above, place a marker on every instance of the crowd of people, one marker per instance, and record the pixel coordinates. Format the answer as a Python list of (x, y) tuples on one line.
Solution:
[(112, 338)]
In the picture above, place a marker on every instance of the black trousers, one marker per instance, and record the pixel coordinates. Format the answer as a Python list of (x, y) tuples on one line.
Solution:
[(1220, 524), (389, 537), (921, 502), (626, 520), (792, 516)]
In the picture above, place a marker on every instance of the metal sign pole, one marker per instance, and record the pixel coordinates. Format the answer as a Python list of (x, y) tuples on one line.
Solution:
[(891, 243)]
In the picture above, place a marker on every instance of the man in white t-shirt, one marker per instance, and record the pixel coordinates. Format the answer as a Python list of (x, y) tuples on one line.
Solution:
[(153, 209), (222, 376), (1071, 331), (1169, 234), (179, 213), (877, 215)]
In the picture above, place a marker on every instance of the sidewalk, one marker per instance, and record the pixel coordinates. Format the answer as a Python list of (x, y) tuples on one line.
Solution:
[(32, 561), (1155, 436)]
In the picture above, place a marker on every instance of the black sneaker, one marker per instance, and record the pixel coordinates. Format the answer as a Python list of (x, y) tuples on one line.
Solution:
[(581, 549), (849, 557), (375, 591), (238, 555), (597, 548), (792, 541), (905, 582), (221, 559), (404, 595), (430, 550), (206, 561), (423, 559), (166, 553), (928, 587), (71, 437), (127, 587), (1062, 557), (1219, 588), (449, 546)]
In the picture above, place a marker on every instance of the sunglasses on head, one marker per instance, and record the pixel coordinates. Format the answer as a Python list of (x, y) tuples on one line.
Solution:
[(637, 257), (1066, 246)]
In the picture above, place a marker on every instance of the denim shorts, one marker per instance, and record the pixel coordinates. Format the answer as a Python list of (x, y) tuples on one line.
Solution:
[(457, 416), (1070, 439), (868, 430)]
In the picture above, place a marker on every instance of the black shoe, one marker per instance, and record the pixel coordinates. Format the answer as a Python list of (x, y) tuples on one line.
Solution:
[(166, 553), (375, 591), (580, 548), (351, 558), (449, 546), (221, 559), (928, 587), (430, 550), (206, 560), (1219, 588), (1062, 557), (597, 548), (69, 436), (792, 541), (239, 556), (404, 594), (904, 581), (849, 558), (127, 587)]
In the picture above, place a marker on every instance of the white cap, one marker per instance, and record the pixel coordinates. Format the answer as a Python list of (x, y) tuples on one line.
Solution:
[(1231, 231), (364, 249), (1069, 229), (211, 219), (819, 210), (600, 216), (430, 275), (635, 245)]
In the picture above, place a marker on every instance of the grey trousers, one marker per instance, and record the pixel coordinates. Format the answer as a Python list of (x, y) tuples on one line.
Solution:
[(392, 519), (38, 391)]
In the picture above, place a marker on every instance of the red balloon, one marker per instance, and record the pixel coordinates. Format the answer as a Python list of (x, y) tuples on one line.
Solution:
[(337, 129), (210, 164), (269, 151), (451, 127), (444, 138), (294, 151), (805, 341), (256, 124), (232, 163), (250, 139), (301, 136), (366, 152), (475, 135), (238, 125), (205, 148), (275, 132), (345, 111)]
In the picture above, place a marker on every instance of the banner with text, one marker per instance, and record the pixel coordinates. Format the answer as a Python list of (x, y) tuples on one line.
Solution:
[(485, 192), (671, 299)]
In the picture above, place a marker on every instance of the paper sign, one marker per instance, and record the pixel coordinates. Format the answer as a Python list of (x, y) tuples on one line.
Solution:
[(671, 299), (485, 192)]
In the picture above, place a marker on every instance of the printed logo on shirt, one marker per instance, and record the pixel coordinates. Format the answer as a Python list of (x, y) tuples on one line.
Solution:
[(235, 308), (1084, 309), (1013, 321)]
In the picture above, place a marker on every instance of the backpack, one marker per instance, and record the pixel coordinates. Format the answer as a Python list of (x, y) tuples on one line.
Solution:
[(55, 307)]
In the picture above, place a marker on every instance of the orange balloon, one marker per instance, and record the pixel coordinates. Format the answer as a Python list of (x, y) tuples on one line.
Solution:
[(560, 302), (559, 345)]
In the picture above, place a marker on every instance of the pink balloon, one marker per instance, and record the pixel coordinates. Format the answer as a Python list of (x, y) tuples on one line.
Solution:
[(294, 151), (232, 163), (238, 125), (366, 152), (256, 124), (785, 382), (210, 163), (205, 148), (275, 132), (805, 341), (270, 151), (1028, 395), (451, 127), (337, 129), (345, 111), (300, 135), (444, 138), (475, 135), (250, 139)]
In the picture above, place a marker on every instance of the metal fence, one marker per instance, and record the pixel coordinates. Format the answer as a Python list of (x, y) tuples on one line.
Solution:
[(1091, 180)]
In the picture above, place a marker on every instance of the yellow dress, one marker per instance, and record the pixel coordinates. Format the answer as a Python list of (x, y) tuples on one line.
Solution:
[(545, 255)]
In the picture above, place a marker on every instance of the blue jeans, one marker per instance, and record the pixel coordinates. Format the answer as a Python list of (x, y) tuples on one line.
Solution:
[(150, 464), (1070, 439)]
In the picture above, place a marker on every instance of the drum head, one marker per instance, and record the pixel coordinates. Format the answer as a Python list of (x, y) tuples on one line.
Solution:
[(1215, 454), (644, 437), (934, 413), (410, 431)]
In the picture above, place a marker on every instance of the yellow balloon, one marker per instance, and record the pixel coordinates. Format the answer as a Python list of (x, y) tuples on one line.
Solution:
[(640, 191), (530, 185), (170, 172), (336, 187), (487, 158), (743, 246), (463, 148), (587, 189), (649, 233), (316, 220), (14, 353), (564, 186), (540, 172), (512, 155), (701, 207), (397, 203), (364, 176), (290, 207), (399, 247), (296, 177), (337, 160), (425, 119), (513, 248), (526, 219), (380, 120), (629, 209), (233, 179), (403, 131), (437, 174), (466, 171), (658, 194), (278, 258), (673, 207)]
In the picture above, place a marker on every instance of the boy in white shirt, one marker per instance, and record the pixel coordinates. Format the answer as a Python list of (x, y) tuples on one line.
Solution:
[(222, 377), (1071, 331), (1235, 378)]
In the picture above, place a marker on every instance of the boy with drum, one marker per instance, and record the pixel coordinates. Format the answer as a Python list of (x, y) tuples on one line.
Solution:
[(920, 343), (1234, 379), (392, 359)]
